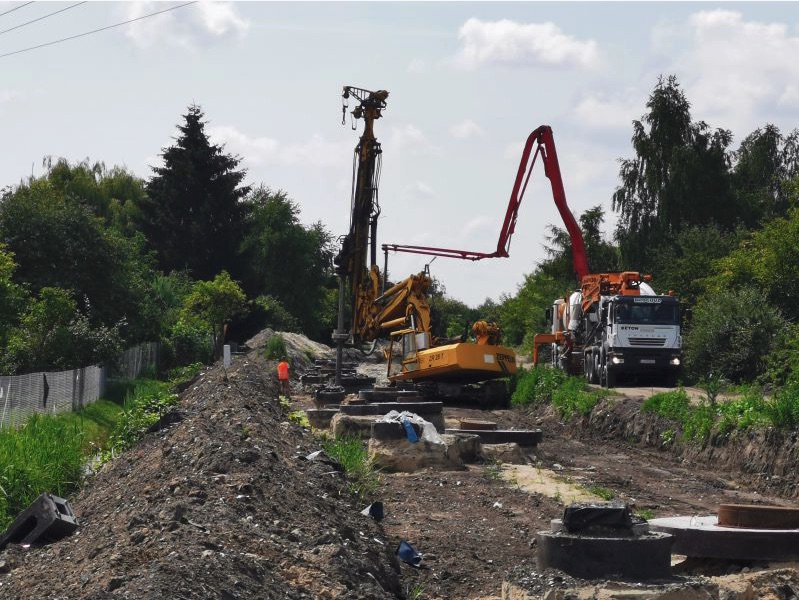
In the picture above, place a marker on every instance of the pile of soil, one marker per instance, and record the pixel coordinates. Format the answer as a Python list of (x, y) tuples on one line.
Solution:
[(223, 504)]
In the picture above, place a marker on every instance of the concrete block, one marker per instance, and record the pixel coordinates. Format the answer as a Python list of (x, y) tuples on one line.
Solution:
[(47, 519)]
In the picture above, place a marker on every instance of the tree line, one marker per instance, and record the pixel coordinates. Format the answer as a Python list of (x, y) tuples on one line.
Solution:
[(719, 226), (94, 259)]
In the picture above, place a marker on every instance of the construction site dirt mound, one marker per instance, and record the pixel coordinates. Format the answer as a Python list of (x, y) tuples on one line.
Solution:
[(223, 504)]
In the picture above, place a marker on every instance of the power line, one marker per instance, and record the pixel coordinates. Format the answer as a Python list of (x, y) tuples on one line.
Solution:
[(16, 8), (42, 18), (72, 37)]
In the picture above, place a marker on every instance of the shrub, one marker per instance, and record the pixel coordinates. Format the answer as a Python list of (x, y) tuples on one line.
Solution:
[(782, 410), (144, 407), (731, 333), (573, 396), (187, 343), (275, 347), (746, 412), (537, 385), (673, 404)]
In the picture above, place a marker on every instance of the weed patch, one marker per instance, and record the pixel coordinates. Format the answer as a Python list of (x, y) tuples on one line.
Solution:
[(536, 385), (360, 468), (275, 347), (145, 405), (602, 492)]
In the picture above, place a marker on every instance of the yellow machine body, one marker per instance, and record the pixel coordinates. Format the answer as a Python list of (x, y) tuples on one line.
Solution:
[(410, 360)]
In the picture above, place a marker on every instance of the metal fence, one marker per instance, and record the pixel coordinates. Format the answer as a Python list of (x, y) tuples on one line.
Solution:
[(53, 392)]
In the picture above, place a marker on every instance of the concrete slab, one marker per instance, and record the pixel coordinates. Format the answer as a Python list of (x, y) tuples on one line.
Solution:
[(703, 537), (503, 436), (381, 408), (646, 556)]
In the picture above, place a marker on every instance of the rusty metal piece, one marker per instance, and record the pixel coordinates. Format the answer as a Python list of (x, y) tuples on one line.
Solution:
[(758, 517), (478, 424)]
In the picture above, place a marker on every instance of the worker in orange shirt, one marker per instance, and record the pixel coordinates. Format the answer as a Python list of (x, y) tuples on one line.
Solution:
[(283, 376)]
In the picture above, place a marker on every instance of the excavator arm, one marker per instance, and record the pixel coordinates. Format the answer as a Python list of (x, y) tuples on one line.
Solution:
[(404, 305)]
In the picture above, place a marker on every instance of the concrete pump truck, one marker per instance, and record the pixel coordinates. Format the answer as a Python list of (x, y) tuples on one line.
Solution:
[(614, 324)]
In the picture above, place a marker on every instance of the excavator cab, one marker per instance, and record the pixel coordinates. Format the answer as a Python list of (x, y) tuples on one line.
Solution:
[(402, 351)]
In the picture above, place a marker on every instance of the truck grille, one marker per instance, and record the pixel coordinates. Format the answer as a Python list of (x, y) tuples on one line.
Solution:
[(648, 342)]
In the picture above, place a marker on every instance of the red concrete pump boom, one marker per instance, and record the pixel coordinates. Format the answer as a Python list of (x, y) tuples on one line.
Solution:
[(539, 143)]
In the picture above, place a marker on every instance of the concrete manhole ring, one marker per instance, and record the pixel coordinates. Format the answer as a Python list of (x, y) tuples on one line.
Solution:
[(757, 516)]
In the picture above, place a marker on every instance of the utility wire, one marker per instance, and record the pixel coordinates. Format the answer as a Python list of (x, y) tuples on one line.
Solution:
[(16, 8), (72, 37), (42, 18)]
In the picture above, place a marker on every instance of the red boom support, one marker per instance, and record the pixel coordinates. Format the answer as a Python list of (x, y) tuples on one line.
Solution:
[(545, 146)]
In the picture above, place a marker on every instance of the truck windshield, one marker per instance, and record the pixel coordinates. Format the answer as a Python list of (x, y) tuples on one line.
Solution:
[(651, 314)]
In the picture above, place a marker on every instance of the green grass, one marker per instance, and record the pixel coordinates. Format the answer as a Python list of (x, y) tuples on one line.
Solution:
[(493, 470), (673, 404), (351, 452), (145, 404), (44, 455), (602, 492), (749, 410), (574, 396), (300, 417), (542, 385), (275, 348), (536, 386), (48, 453), (645, 513)]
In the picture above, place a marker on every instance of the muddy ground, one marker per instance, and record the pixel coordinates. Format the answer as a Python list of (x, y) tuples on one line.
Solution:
[(223, 504)]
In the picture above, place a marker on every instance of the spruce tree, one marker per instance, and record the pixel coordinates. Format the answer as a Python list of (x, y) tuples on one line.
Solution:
[(193, 216)]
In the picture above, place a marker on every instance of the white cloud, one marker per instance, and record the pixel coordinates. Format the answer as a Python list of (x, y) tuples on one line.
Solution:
[(409, 139), (187, 27), (10, 96), (480, 227), (466, 129), (268, 151), (734, 70), (609, 111), (521, 44), (418, 65), (419, 190), (513, 150)]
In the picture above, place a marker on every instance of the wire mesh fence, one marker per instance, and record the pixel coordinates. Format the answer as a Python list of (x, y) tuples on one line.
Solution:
[(59, 391)]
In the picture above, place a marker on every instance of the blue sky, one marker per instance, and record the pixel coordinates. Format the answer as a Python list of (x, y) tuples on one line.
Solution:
[(468, 81)]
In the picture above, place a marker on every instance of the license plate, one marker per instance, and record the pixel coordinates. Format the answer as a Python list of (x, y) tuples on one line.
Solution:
[(647, 361)]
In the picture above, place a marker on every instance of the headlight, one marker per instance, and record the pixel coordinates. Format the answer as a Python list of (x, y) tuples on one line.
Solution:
[(617, 361), (675, 361)]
